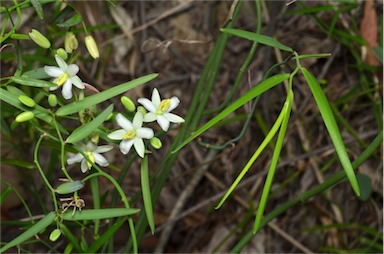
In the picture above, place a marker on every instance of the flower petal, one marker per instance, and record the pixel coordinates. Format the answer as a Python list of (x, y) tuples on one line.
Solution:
[(147, 104), (117, 135), (53, 88), (67, 90), (126, 145), (174, 103), (124, 122), (156, 97), (100, 159), (53, 71), (103, 149), (139, 147), (77, 82), (163, 122), (146, 133), (173, 118), (72, 69), (150, 117), (90, 146), (75, 158), (138, 120), (84, 166), (61, 63)]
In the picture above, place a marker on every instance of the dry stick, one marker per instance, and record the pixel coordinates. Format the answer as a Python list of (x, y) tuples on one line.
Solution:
[(183, 198), (179, 8), (251, 179)]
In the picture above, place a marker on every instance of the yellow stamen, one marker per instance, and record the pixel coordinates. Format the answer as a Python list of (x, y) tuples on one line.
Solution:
[(130, 134), (164, 106), (90, 156), (62, 79)]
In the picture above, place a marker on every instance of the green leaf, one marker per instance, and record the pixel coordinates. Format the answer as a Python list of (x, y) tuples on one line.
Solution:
[(145, 188), (4, 193), (365, 185), (34, 230), (74, 20), (251, 94), (274, 161), (103, 96), (86, 129), (27, 81), (333, 130), (379, 53), (262, 39), (39, 9), (95, 214), (69, 187), (36, 74)]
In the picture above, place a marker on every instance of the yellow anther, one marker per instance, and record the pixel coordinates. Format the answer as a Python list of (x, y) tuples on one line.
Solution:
[(130, 134), (62, 79), (164, 106), (90, 156)]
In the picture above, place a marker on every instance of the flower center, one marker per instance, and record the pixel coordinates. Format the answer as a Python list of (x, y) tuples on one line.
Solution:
[(91, 157), (130, 134), (164, 106), (62, 79)]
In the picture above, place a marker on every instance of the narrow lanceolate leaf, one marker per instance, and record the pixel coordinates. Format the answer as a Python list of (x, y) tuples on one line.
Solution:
[(27, 81), (96, 214), (86, 129), (103, 96), (262, 39), (34, 230), (69, 187), (250, 95), (333, 130), (74, 20), (39, 9), (145, 188)]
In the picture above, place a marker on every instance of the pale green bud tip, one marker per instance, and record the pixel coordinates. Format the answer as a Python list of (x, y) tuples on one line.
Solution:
[(39, 39), (55, 234), (27, 101), (70, 42), (92, 46), (142, 110), (25, 116), (109, 117), (156, 143), (52, 100), (128, 103), (62, 53)]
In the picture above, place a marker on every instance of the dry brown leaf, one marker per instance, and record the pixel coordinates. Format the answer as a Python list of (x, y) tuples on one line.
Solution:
[(369, 30)]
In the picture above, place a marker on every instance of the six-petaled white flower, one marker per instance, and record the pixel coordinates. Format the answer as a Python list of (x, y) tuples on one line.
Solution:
[(93, 153), (160, 110), (65, 75), (132, 133)]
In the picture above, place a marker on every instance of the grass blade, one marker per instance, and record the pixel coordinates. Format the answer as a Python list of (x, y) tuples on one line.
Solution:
[(103, 96), (84, 130), (145, 188), (34, 230), (251, 94), (96, 214), (262, 39), (333, 130)]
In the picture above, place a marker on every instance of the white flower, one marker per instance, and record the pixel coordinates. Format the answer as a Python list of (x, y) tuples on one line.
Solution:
[(94, 155), (159, 110), (65, 75), (131, 134)]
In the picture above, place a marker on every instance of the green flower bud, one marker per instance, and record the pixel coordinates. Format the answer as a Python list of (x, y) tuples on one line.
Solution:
[(70, 42), (39, 39), (52, 100), (142, 110), (62, 53), (27, 101), (55, 234), (109, 117), (25, 116), (92, 46), (156, 143), (128, 103), (95, 138)]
